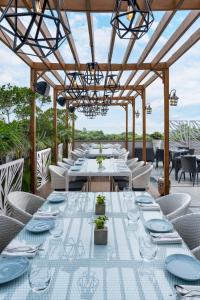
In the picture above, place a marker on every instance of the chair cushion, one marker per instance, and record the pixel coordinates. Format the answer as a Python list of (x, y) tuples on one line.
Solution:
[(76, 185)]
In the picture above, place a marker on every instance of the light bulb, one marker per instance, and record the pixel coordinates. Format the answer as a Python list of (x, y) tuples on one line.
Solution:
[(130, 14), (111, 81), (38, 6), (75, 83)]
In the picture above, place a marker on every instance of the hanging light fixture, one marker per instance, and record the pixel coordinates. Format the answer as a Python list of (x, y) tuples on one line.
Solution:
[(137, 114), (111, 83), (173, 99), (125, 23), (38, 13), (94, 96), (77, 85), (149, 109), (93, 74)]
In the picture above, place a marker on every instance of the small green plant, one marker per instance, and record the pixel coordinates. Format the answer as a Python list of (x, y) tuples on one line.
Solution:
[(100, 160), (157, 136), (100, 222), (101, 199)]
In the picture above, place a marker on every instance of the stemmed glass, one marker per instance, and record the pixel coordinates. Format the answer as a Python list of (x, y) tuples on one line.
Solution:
[(39, 278)]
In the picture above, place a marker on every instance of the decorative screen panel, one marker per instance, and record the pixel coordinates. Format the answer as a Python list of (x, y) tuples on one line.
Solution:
[(11, 175), (179, 133), (194, 136), (43, 162)]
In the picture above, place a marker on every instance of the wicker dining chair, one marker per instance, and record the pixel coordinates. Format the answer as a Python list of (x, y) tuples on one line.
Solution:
[(188, 226), (174, 205), (22, 206), (9, 228)]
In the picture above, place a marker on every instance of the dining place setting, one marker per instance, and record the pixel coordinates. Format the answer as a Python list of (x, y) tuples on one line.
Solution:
[(58, 244)]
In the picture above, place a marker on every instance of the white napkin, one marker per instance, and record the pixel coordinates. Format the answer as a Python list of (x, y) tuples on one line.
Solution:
[(195, 290), (149, 206), (166, 238), (18, 249), (46, 214)]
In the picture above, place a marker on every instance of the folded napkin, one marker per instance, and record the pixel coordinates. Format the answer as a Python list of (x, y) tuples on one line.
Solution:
[(189, 291), (16, 248), (166, 238), (149, 206), (46, 214)]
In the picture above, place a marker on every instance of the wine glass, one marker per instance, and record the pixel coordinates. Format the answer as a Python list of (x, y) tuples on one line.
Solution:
[(57, 230), (39, 278), (147, 248)]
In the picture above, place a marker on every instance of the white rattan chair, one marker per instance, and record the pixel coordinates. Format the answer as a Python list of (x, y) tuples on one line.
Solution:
[(132, 160), (22, 206), (60, 180), (174, 205), (69, 161), (135, 165), (124, 156), (9, 228), (188, 226), (141, 177), (63, 165)]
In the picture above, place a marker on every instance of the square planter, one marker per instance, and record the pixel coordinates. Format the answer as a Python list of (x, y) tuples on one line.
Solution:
[(100, 209), (101, 236)]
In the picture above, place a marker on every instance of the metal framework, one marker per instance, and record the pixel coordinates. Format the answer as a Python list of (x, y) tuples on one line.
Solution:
[(132, 88)]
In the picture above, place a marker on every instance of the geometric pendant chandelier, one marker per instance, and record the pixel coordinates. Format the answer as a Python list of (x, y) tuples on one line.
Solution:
[(93, 74), (124, 22), (14, 19)]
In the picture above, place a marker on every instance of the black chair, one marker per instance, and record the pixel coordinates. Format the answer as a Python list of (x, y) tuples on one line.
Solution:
[(191, 151), (189, 165), (159, 156)]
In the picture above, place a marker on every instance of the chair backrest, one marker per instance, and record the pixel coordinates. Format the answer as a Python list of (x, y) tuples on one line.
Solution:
[(132, 160), (59, 177), (9, 228), (174, 205), (188, 227), (22, 205), (141, 176), (135, 165), (63, 165), (188, 163), (68, 161), (160, 154)]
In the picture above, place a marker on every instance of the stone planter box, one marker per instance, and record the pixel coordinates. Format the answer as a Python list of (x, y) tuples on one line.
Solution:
[(100, 209), (101, 236), (161, 186)]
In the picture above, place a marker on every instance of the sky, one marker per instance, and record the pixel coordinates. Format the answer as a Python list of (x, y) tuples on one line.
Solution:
[(184, 74)]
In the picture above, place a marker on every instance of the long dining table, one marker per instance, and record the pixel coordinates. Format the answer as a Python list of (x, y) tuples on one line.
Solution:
[(81, 270), (108, 152), (110, 168)]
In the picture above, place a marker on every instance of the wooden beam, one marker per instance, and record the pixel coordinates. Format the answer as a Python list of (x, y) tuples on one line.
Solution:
[(104, 67), (73, 130), (166, 131), (144, 146), (133, 128), (33, 160), (127, 99), (108, 5), (180, 31), (126, 138), (100, 87), (67, 127), (55, 131), (90, 28), (195, 37)]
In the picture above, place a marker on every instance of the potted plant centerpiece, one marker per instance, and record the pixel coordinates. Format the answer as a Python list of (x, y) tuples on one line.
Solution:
[(99, 161), (100, 231), (100, 206)]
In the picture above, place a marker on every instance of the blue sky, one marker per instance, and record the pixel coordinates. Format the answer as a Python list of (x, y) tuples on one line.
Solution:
[(184, 74)]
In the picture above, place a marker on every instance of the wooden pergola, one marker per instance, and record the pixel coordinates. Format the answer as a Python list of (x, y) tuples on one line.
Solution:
[(132, 88)]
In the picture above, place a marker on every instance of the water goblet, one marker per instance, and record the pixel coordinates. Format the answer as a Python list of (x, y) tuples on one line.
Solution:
[(57, 230), (39, 278)]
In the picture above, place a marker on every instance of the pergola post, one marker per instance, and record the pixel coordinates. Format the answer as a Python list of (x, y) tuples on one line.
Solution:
[(55, 131), (144, 146), (33, 164), (133, 128), (166, 130), (67, 127), (73, 130), (126, 141)]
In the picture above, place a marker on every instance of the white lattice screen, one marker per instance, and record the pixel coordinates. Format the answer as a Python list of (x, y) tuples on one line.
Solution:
[(43, 162), (11, 175)]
